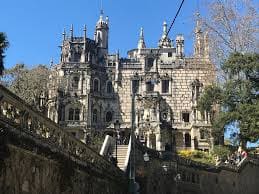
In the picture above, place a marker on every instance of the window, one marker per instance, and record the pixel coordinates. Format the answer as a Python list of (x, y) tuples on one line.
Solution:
[(186, 117), (109, 88), (71, 114), (77, 114), (95, 116), (170, 54), (74, 114), (135, 86), (187, 139), (108, 116), (77, 56), (203, 134), (150, 62), (96, 85), (150, 86), (75, 82), (165, 86)]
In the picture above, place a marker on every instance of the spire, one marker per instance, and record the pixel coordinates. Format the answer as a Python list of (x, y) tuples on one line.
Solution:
[(72, 32), (64, 34), (164, 41), (164, 28), (84, 38), (141, 42), (198, 23), (198, 46), (84, 31)]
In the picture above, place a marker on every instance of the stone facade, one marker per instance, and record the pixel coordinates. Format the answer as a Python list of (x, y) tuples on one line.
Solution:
[(90, 89)]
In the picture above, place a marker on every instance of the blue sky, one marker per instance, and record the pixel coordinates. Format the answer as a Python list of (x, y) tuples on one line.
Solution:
[(34, 27)]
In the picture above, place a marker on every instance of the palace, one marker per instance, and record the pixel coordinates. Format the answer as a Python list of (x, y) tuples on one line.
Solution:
[(90, 89)]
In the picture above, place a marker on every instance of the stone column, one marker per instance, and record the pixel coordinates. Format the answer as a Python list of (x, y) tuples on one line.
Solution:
[(158, 142)]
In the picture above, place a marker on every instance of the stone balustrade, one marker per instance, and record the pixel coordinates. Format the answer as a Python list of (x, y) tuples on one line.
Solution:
[(19, 118)]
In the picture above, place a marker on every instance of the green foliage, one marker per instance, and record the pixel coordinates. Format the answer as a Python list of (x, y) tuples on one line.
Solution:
[(28, 84), (212, 96), (221, 151), (238, 97), (197, 155)]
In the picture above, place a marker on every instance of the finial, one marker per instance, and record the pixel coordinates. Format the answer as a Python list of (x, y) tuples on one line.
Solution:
[(107, 20), (141, 32), (164, 28), (64, 34), (85, 31), (51, 62), (198, 22), (71, 31), (141, 42)]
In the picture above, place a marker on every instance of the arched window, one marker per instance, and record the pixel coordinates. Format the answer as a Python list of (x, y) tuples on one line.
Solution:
[(74, 114), (109, 88), (95, 116), (77, 114), (108, 116), (71, 114), (96, 85), (75, 82), (187, 139)]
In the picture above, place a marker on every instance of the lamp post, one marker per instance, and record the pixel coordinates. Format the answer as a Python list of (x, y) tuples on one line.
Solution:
[(116, 128), (132, 135), (146, 158)]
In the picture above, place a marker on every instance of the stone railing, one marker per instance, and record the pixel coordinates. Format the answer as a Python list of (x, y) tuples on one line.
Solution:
[(22, 120)]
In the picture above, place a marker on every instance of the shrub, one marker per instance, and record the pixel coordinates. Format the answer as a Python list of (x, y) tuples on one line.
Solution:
[(221, 151)]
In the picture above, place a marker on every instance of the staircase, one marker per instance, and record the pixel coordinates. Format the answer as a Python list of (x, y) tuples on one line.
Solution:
[(122, 151)]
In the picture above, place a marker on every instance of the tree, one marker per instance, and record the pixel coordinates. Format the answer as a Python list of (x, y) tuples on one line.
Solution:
[(3, 45), (238, 97), (28, 84), (233, 27)]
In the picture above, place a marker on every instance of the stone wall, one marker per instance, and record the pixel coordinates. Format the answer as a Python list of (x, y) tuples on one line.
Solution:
[(158, 175), (25, 172)]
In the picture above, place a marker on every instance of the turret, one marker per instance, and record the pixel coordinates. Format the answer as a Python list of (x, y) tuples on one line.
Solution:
[(201, 46), (165, 42), (179, 46), (141, 42), (101, 34), (84, 54)]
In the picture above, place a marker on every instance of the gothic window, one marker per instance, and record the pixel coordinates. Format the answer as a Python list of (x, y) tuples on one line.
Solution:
[(165, 86), (109, 88), (71, 114), (77, 114), (135, 86), (149, 86), (74, 114), (77, 56), (108, 116), (75, 82), (187, 140), (150, 62), (170, 54), (95, 116), (186, 117), (203, 134), (96, 85)]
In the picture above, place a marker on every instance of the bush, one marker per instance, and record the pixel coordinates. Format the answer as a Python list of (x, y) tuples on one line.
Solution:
[(196, 155), (221, 151)]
